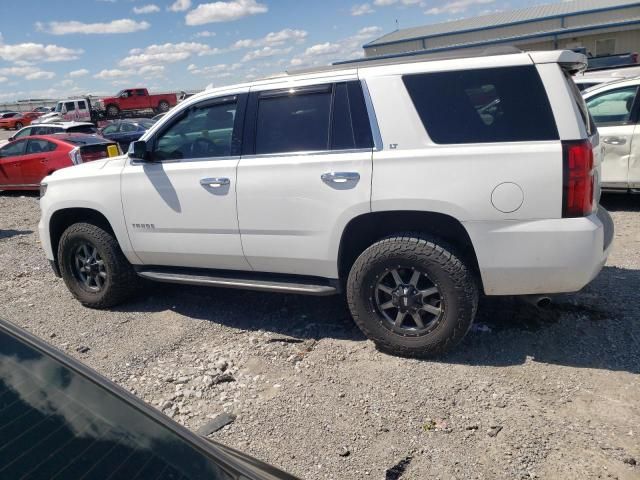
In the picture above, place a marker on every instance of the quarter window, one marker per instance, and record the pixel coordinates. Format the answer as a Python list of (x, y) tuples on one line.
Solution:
[(293, 123), (201, 132), (482, 106), (613, 107)]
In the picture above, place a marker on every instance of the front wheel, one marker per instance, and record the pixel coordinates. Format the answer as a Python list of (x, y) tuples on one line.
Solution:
[(412, 295), (94, 268)]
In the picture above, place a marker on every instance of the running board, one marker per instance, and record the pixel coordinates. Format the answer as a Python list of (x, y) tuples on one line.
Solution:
[(260, 282)]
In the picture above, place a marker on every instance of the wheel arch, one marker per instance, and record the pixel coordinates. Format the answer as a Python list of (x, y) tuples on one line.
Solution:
[(364, 230), (62, 219)]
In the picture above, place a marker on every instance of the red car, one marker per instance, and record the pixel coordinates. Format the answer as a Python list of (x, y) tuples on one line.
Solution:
[(19, 120), (25, 162)]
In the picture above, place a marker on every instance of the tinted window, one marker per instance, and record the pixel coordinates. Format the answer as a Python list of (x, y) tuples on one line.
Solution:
[(13, 149), (293, 123), (341, 131), (359, 116), (128, 127), (481, 106), (140, 93), (82, 105), (70, 106), (612, 107), (39, 146), (45, 130), (25, 132), (199, 133), (57, 423), (81, 129), (109, 129)]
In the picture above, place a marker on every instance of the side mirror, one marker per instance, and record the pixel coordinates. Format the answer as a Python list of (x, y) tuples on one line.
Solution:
[(138, 150)]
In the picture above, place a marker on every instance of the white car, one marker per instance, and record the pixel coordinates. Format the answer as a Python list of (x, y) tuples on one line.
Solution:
[(413, 187), (70, 110), (615, 110), (59, 127)]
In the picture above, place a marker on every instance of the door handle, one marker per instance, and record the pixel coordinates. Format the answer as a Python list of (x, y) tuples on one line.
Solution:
[(214, 182), (340, 178), (614, 140)]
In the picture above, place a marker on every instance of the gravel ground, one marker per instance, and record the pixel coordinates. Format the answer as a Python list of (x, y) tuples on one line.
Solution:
[(529, 393)]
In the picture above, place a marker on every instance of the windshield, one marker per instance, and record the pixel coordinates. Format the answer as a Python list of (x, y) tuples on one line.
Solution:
[(58, 107)]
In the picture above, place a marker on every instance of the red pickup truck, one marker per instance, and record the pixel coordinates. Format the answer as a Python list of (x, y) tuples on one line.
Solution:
[(136, 99)]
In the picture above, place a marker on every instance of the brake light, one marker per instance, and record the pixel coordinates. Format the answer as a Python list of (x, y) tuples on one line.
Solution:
[(578, 179)]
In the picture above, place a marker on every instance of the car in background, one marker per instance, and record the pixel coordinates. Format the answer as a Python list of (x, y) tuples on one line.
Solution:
[(49, 128), (584, 83), (71, 110), (61, 419), (4, 115), (615, 109), (43, 109), (126, 131), (18, 121), (26, 161), (157, 117), (136, 99)]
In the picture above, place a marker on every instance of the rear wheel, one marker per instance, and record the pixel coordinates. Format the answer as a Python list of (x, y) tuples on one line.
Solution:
[(94, 268), (412, 295), (113, 111), (163, 106), (19, 125)]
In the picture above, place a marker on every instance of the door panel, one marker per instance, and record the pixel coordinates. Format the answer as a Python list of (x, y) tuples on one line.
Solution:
[(10, 157), (617, 142), (181, 208), (290, 218)]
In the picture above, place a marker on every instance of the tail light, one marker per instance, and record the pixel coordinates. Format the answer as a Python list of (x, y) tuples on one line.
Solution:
[(578, 179), (75, 156)]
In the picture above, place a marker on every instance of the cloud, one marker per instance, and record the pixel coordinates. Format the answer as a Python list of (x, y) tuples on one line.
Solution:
[(26, 72), (78, 73), (273, 39), (124, 25), (386, 3), (457, 6), (361, 9), (3, 79), (265, 52), (180, 5), (147, 71), (166, 53), (114, 73), (36, 52), (205, 34), (322, 49), (216, 71), (151, 8), (224, 11)]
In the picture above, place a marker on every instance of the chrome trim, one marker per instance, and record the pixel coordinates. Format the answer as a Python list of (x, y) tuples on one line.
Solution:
[(261, 285), (135, 161), (306, 153), (20, 185), (373, 121), (340, 177)]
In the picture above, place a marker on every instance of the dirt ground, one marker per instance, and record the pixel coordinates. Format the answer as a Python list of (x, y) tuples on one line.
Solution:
[(529, 393)]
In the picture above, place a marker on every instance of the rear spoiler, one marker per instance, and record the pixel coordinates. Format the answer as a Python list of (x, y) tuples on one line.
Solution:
[(569, 61)]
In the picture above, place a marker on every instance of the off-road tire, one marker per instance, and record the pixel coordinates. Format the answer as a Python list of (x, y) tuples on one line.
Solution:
[(121, 282), (455, 281)]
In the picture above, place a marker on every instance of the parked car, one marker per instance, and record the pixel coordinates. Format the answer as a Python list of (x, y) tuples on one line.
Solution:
[(71, 110), (411, 187), (60, 127), (25, 162), (134, 99), (615, 108), (43, 109), (157, 117), (61, 419), (126, 131), (18, 121), (5, 115)]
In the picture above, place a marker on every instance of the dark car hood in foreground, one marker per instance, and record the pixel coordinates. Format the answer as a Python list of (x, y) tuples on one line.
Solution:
[(60, 419)]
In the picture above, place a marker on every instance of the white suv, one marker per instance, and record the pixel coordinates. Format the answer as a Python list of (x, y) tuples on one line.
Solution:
[(411, 187)]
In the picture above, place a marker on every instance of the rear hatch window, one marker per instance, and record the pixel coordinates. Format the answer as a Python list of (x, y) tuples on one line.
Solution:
[(82, 129)]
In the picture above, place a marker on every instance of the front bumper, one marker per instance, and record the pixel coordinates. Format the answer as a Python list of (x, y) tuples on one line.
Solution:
[(541, 256)]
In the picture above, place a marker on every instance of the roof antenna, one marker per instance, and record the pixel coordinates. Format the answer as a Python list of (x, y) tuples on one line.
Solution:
[(397, 25)]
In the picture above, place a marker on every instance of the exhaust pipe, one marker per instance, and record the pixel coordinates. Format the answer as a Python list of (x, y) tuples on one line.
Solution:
[(539, 301)]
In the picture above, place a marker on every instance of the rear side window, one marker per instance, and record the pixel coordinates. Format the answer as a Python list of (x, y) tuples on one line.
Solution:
[(82, 105), (483, 106), (293, 123), (37, 145), (70, 106)]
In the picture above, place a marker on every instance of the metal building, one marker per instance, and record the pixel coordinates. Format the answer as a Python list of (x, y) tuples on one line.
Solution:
[(602, 27)]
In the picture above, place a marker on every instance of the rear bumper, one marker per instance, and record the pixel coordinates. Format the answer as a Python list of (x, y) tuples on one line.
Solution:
[(541, 256)]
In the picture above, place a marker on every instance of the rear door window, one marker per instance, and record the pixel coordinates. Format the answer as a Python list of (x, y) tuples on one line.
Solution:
[(506, 104), (70, 106), (37, 145)]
